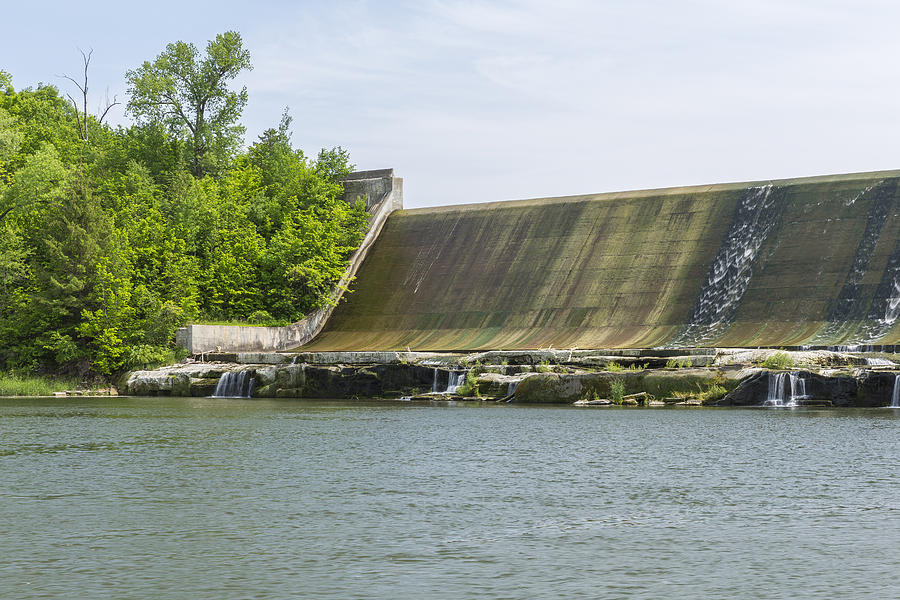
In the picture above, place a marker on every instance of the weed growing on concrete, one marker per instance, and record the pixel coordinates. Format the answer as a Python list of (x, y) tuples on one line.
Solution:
[(614, 367)]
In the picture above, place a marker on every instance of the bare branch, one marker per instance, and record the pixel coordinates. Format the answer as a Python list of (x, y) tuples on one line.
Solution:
[(109, 105), (81, 133)]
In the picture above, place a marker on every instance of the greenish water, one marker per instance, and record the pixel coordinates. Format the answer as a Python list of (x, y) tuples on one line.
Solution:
[(203, 498)]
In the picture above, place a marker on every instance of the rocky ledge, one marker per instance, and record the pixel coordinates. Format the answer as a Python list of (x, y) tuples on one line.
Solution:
[(701, 377)]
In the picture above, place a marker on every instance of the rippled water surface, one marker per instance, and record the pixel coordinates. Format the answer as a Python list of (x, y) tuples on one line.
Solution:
[(203, 498)]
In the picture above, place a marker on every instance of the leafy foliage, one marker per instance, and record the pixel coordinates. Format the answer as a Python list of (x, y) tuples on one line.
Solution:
[(778, 361), (617, 390), (107, 248)]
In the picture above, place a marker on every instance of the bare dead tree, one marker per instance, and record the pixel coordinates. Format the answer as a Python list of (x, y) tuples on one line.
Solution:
[(82, 118)]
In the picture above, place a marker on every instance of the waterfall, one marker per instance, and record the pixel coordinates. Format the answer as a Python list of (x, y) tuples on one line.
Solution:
[(233, 384), (513, 386), (796, 385), (895, 395), (798, 389), (454, 380), (880, 362), (776, 390), (729, 275)]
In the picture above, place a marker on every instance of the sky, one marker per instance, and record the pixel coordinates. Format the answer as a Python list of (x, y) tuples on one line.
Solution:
[(483, 101)]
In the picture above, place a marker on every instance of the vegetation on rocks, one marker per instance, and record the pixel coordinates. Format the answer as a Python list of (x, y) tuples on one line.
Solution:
[(112, 237), (778, 361)]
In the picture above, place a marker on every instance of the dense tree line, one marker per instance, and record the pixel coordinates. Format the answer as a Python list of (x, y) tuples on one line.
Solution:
[(112, 237)]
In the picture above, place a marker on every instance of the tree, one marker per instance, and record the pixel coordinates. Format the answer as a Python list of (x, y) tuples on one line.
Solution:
[(190, 95), (81, 118)]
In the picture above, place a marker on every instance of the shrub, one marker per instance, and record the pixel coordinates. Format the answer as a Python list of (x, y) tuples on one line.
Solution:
[(470, 386), (712, 393), (678, 364), (260, 317), (617, 390), (778, 361), (614, 367)]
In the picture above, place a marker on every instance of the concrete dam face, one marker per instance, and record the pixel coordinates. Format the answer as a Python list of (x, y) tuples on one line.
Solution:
[(812, 261)]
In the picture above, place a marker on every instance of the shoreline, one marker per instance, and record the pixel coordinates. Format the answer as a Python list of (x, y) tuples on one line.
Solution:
[(695, 377)]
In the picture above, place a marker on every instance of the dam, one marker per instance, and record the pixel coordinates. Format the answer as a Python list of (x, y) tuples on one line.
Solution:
[(811, 261), (780, 293), (808, 261)]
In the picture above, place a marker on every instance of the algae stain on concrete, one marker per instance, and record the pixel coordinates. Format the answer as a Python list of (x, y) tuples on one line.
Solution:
[(765, 263)]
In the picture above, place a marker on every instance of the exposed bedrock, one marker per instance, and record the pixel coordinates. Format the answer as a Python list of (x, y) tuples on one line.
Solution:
[(726, 378)]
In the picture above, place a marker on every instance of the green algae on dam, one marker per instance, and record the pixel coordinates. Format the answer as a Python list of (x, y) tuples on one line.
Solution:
[(789, 262)]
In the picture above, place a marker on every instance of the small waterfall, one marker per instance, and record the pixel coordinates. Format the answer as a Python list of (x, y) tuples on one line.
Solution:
[(454, 380), (895, 395), (880, 362), (239, 384), (776, 390), (796, 385), (513, 386), (798, 389)]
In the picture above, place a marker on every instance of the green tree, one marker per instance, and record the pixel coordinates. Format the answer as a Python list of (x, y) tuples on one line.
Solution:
[(190, 95)]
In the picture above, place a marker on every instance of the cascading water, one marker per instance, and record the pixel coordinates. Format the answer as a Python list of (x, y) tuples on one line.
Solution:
[(798, 389), (880, 362), (454, 380), (895, 395), (849, 307), (729, 275), (796, 385), (238, 384)]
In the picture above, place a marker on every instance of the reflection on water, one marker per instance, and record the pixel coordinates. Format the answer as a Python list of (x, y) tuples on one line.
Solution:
[(203, 498)]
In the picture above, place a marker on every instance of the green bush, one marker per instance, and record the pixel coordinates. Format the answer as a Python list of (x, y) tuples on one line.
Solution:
[(778, 361), (470, 386), (260, 317), (614, 367), (617, 390), (678, 364)]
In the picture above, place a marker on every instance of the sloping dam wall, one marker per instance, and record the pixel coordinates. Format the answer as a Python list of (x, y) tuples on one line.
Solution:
[(811, 261)]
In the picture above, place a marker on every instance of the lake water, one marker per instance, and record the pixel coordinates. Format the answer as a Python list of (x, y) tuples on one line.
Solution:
[(219, 499)]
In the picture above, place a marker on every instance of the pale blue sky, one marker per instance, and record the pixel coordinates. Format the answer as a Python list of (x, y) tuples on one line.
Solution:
[(479, 101)]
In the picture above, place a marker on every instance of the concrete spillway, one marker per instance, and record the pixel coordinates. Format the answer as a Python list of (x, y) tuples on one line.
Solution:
[(790, 262)]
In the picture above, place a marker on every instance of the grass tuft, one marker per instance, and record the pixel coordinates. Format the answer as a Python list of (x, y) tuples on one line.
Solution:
[(19, 385)]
